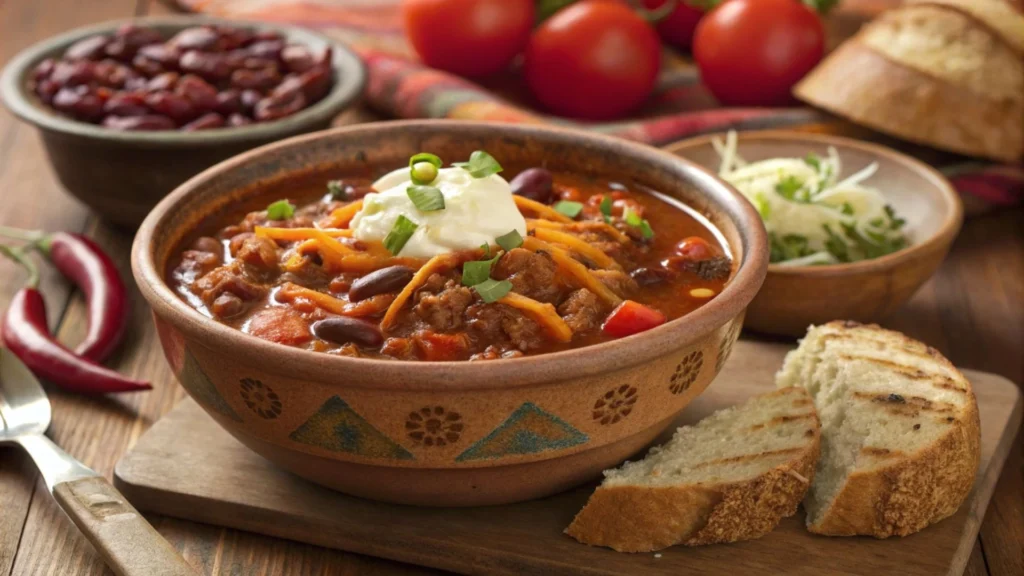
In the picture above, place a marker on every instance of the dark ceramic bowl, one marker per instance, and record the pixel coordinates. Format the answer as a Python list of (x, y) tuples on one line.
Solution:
[(446, 433), (122, 175)]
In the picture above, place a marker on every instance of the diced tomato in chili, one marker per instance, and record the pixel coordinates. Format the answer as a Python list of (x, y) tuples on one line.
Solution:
[(280, 324), (695, 249), (434, 347), (631, 318)]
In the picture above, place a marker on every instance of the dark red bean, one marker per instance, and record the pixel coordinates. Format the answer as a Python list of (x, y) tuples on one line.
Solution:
[(316, 83), (148, 122), (327, 58), (196, 38), (204, 122), (297, 58), (112, 73), (78, 101), (147, 66), (138, 35), (166, 56), (250, 98), (90, 48), (275, 107), (534, 184), (253, 63), (228, 102), (210, 66), (163, 82), (73, 73), (135, 84), (345, 330), (255, 79), (198, 91), (264, 35), (173, 106), (232, 38), (126, 104), (236, 120), (383, 281), (649, 276), (43, 69), (267, 49)]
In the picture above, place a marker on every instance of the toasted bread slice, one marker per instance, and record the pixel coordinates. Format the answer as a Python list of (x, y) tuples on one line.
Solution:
[(900, 432), (730, 477)]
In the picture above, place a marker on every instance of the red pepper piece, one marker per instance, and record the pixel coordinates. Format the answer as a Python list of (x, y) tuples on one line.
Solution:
[(25, 333), (631, 318), (88, 267)]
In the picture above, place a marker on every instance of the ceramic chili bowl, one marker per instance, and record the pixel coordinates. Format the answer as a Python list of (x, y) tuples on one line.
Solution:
[(511, 429), (123, 174)]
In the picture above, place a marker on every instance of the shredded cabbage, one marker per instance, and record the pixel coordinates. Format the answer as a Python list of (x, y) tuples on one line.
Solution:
[(812, 216)]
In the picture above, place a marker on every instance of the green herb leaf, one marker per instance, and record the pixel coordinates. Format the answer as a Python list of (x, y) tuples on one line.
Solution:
[(338, 190), (280, 210), (813, 161), (895, 222), (788, 187), (606, 205), (426, 198), (607, 218), (569, 208), (399, 235), (847, 209), (631, 217), (788, 247), (762, 206), (646, 230), (509, 241), (480, 165), (836, 245), (492, 290)]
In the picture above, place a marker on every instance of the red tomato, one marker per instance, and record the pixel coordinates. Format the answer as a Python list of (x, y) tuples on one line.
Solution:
[(594, 59), (468, 37), (631, 318), (694, 249), (678, 27), (752, 52)]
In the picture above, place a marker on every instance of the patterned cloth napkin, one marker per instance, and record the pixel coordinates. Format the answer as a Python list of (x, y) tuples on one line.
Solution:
[(400, 86)]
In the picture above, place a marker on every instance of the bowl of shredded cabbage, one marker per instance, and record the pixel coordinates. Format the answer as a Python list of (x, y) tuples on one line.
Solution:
[(855, 228)]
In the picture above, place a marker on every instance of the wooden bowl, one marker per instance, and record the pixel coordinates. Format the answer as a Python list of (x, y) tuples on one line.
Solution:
[(499, 431), (794, 298), (122, 175)]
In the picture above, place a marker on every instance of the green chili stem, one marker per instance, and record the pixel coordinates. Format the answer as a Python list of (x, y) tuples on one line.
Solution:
[(18, 255), (20, 234)]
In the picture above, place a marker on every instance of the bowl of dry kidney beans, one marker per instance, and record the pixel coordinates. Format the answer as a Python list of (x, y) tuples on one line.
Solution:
[(128, 110)]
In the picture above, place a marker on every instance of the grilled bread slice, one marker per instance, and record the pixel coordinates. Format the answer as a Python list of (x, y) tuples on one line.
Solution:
[(730, 477), (900, 431)]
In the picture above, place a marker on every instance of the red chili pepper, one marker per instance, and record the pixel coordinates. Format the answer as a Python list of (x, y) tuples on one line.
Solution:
[(84, 263), (25, 333)]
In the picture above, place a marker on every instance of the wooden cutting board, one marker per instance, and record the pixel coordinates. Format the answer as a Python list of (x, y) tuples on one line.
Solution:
[(188, 467)]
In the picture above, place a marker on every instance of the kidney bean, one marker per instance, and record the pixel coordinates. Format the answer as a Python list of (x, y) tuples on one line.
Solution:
[(78, 101), (316, 83), (534, 184), (345, 330), (162, 82), (138, 35), (236, 120), (232, 38), (111, 73), (43, 69), (297, 58), (147, 66), (383, 281), (90, 48), (253, 63), (135, 84), (196, 38), (275, 107), (228, 102), (255, 79), (171, 105), (250, 98), (46, 89), (166, 56), (198, 91), (126, 104), (649, 276), (267, 49), (264, 35), (326, 58), (68, 73), (208, 65), (148, 122), (204, 122)]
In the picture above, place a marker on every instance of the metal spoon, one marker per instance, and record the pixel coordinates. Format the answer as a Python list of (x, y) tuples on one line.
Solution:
[(126, 540)]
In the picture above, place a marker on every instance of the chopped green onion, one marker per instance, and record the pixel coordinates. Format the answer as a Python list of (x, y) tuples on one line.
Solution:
[(480, 165), (509, 241), (569, 208), (847, 209), (487, 250), (422, 173), (646, 230), (492, 290), (337, 190), (788, 187), (607, 218), (813, 161), (425, 157), (280, 210), (426, 198), (399, 235), (631, 217), (895, 222), (477, 271), (606, 205)]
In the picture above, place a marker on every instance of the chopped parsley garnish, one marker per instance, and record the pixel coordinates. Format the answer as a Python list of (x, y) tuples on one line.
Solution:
[(480, 165), (492, 290), (280, 210), (836, 245), (423, 168), (788, 247), (509, 241), (426, 198), (338, 190), (477, 271), (569, 208), (606, 206), (399, 235), (847, 209), (895, 223), (788, 188)]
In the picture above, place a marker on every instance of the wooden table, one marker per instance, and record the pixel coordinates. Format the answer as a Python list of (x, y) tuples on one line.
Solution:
[(973, 311)]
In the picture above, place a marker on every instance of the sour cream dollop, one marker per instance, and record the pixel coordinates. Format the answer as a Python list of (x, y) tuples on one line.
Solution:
[(477, 210)]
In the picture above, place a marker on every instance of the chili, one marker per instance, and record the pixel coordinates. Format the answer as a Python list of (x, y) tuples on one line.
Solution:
[(26, 334)]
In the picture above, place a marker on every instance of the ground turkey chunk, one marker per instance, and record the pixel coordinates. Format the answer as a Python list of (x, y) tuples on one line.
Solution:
[(617, 281), (230, 278), (446, 309), (532, 274), (497, 322), (582, 311), (259, 255)]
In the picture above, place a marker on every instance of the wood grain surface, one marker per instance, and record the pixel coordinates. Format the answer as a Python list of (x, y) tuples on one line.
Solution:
[(187, 466), (972, 311)]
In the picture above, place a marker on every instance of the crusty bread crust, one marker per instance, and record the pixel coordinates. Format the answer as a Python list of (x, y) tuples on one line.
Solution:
[(915, 490), (864, 86), (696, 514)]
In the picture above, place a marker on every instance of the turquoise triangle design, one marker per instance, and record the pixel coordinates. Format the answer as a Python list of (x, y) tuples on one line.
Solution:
[(199, 386), (528, 430), (338, 428)]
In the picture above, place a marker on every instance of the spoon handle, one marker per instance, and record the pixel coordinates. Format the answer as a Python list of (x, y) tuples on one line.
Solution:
[(129, 544)]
